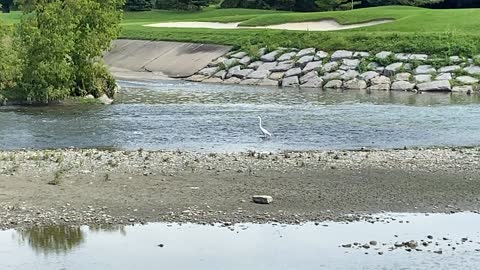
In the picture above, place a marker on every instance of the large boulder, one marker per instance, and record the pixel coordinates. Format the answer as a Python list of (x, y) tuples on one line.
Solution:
[(355, 84), (239, 55), (367, 76), (241, 73), (259, 74), (290, 82), (287, 56), (434, 86), (467, 80), (404, 76), (349, 75), (302, 62), (320, 55), (449, 69), (473, 70), (314, 82), (425, 69), (270, 57), (209, 71), (308, 51), (293, 72), (268, 82), (308, 76), (333, 84), (312, 66), (330, 66), (383, 55), (463, 89), (380, 80), (402, 86), (423, 78), (392, 69), (267, 66), (341, 54)]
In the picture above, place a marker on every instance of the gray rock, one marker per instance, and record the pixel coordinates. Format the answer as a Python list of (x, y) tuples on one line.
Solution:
[(268, 82), (250, 82), (334, 84), (373, 65), (463, 89), (383, 55), (233, 69), (262, 51), (262, 199), (367, 76), (472, 70), (242, 73), (312, 66), (245, 60), (209, 71), (232, 80), (239, 55), (379, 87), (270, 57), (351, 62), (455, 59), (308, 76), (268, 66), (405, 76), (434, 86), (341, 54), (419, 57), (308, 51), (331, 76), (314, 82), (89, 96), (392, 69), (466, 80), (290, 82), (222, 74), (402, 86), (218, 61), (105, 100), (402, 56), (355, 84), (423, 78), (228, 63), (449, 69), (284, 66), (444, 76), (255, 64), (361, 55), (287, 56), (302, 62), (320, 55), (293, 72), (349, 75), (277, 75), (381, 80), (259, 74), (425, 69), (330, 66)]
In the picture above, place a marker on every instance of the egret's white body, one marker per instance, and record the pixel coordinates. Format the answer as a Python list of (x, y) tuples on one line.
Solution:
[(265, 132)]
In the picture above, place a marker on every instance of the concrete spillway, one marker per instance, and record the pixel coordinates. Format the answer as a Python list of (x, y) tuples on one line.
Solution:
[(174, 59)]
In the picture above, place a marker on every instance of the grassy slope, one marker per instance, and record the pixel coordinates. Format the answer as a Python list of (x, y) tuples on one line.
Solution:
[(437, 32)]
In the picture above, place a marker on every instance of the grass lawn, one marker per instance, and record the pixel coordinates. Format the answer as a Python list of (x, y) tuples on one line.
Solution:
[(439, 32)]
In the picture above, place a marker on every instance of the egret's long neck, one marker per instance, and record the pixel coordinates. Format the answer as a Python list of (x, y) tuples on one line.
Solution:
[(260, 122)]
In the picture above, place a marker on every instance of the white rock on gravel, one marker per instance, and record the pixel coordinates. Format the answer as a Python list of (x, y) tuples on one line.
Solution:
[(262, 199)]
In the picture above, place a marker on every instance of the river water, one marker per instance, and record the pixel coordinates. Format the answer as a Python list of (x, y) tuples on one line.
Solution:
[(171, 115), (248, 246)]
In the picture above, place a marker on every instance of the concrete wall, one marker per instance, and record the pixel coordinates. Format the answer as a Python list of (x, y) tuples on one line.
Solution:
[(174, 59)]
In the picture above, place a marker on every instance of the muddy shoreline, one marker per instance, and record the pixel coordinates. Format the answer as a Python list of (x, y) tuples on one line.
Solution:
[(85, 187)]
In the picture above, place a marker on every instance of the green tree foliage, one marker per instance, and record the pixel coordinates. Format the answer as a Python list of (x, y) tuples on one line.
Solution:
[(9, 63), (59, 44), (138, 5), (6, 5), (402, 2), (183, 4)]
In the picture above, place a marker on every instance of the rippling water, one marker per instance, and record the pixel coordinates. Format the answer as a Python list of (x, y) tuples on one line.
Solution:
[(174, 115), (247, 246)]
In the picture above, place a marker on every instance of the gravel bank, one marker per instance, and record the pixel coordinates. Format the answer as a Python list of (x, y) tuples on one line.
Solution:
[(91, 186)]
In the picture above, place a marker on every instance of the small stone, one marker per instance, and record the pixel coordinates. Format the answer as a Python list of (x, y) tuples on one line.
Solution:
[(423, 78), (255, 65), (321, 55), (329, 67), (402, 86), (392, 69), (405, 76), (381, 80), (245, 60), (239, 55), (449, 69), (355, 84), (334, 84), (361, 55), (262, 199), (293, 72), (277, 75), (290, 82), (444, 76), (270, 57), (367, 76), (302, 62), (419, 57), (304, 52), (349, 75), (283, 66), (425, 69), (333, 75), (341, 54), (267, 66), (383, 55), (373, 243), (473, 70), (402, 56), (287, 56), (312, 66)]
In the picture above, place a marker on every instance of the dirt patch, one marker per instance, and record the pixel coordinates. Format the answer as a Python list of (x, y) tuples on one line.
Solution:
[(117, 187)]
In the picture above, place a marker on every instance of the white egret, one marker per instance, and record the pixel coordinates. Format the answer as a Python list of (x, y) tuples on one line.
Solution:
[(265, 132)]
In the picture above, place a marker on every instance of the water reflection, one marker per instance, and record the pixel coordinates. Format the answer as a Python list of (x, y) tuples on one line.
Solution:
[(57, 239), (109, 228)]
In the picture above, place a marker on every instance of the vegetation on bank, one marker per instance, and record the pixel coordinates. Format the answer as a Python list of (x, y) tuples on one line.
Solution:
[(55, 50), (418, 30)]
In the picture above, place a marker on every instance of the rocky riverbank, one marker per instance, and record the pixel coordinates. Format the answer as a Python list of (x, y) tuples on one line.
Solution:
[(76, 187), (312, 68)]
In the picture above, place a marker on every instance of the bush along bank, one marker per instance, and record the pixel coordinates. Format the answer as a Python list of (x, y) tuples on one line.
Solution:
[(311, 68)]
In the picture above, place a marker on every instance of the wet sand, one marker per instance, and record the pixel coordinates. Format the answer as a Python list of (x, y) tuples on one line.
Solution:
[(76, 187)]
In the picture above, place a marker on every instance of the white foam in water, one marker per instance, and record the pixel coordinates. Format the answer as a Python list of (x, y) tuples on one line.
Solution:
[(252, 246)]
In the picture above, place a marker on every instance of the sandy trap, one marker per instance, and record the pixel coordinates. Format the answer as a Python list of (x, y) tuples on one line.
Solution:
[(324, 25)]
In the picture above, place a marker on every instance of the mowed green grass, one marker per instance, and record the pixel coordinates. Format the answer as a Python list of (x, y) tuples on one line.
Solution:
[(419, 30)]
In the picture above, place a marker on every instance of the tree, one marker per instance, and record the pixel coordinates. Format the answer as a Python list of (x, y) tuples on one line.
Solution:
[(138, 5), (59, 44), (6, 5)]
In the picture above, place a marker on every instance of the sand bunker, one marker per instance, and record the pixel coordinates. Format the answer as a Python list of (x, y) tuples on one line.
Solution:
[(324, 25)]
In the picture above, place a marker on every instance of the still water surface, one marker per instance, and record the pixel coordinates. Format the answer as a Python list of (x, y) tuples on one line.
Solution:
[(174, 115), (246, 247)]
